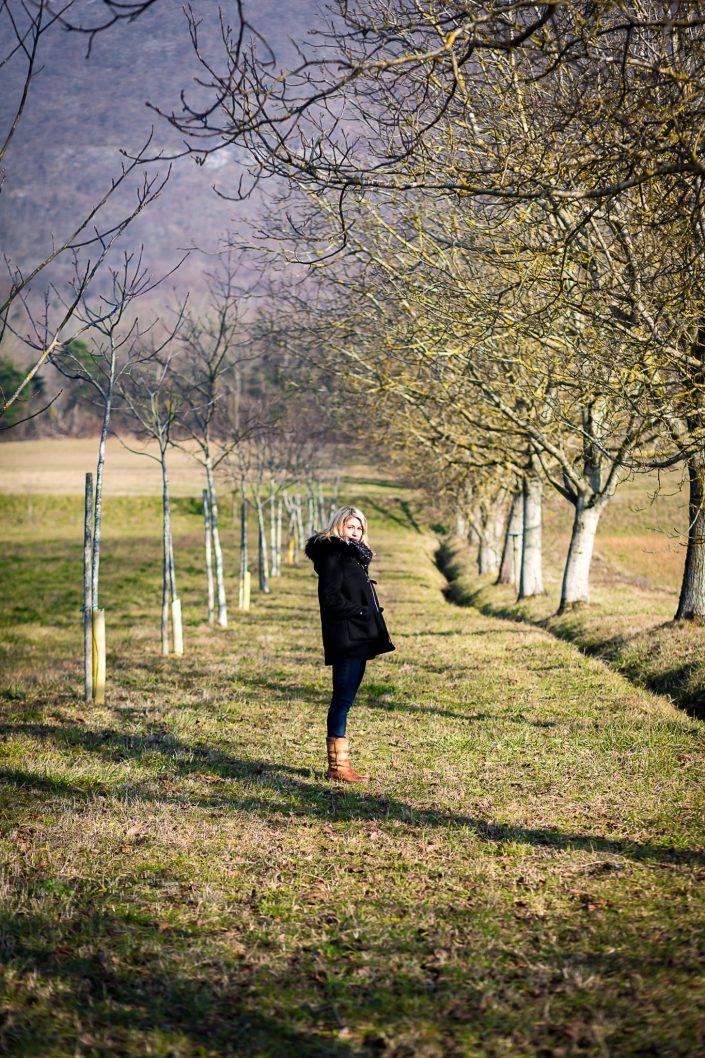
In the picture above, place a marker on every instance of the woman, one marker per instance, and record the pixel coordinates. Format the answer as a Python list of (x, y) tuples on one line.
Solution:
[(351, 620)]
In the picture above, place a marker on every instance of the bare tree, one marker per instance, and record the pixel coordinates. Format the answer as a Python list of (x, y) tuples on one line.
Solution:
[(90, 241), (214, 350), (119, 345), (153, 403)]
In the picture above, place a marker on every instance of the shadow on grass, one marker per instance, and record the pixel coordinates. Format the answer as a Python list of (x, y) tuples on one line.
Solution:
[(101, 975), (673, 682), (325, 802), (141, 988), (406, 520), (434, 711), (465, 633), (371, 697), (15, 777)]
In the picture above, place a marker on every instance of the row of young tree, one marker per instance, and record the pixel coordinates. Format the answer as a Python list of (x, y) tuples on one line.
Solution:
[(207, 385), (503, 202)]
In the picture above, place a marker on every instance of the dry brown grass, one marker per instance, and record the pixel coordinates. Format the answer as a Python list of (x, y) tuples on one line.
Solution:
[(57, 466)]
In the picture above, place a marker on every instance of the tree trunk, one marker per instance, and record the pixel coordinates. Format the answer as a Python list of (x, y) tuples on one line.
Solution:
[(217, 550), (461, 526), (273, 571), (98, 510), (299, 523), (98, 615), (691, 603), (280, 520), (509, 567), (309, 511), (209, 557), (531, 577), (176, 619), (576, 576), (296, 531), (321, 506), (292, 530), (487, 556), (172, 565), (490, 533), (87, 598), (262, 548)]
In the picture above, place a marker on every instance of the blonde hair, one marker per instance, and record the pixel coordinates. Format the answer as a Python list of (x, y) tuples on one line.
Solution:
[(338, 520)]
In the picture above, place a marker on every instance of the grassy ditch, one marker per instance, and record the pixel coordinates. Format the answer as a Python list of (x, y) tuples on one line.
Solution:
[(522, 876), (628, 623)]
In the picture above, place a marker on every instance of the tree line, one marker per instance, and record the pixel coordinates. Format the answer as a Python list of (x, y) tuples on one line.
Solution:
[(502, 207), (203, 385)]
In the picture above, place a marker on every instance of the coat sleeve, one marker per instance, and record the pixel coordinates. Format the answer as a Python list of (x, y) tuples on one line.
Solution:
[(330, 582)]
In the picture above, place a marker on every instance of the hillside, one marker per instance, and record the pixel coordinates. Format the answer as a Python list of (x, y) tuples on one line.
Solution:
[(83, 111)]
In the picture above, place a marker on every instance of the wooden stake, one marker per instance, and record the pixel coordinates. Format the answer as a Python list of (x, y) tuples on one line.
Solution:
[(245, 590), (98, 637), (177, 626)]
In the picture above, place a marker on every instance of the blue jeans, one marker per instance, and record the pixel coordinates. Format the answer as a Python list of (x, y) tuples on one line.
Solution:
[(347, 677)]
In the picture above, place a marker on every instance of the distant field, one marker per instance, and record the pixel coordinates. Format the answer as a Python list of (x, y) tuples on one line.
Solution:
[(59, 465)]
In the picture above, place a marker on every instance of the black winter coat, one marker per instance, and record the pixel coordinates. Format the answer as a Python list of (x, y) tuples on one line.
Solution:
[(351, 617)]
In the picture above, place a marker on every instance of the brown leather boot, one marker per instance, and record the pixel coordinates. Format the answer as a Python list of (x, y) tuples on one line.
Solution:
[(339, 762)]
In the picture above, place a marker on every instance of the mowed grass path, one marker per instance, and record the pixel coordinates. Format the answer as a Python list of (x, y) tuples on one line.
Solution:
[(523, 876)]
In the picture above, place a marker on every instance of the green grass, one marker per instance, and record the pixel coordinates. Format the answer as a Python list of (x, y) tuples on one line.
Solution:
[(521, 877)]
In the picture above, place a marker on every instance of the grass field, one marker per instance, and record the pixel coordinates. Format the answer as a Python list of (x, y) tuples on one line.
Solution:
[(523, 875)]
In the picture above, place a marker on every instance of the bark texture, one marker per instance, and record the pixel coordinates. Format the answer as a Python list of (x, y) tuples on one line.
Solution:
[(509, 566), (531, 576), (691, 603), (575, 589), (263, 568)]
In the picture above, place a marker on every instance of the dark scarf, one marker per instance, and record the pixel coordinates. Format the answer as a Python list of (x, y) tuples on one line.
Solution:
[(362, 552)]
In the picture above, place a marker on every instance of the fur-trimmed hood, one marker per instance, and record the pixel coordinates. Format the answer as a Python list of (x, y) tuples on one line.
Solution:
[(318, 546)]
